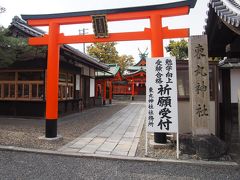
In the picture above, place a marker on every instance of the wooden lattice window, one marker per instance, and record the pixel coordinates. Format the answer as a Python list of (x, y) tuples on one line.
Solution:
[(66, 86), (22, 85)]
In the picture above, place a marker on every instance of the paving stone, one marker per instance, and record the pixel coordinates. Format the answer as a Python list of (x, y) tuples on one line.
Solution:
[(105, 134), (116, 136), (123, 147), (103, 152), (133, 148), (97, 141), (89, 149), (78, 145), (129, 134), (81, 143), (107, 146), (125, 140)]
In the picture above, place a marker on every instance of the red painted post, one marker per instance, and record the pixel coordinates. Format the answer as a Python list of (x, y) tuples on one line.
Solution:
[(110, 92), (104, 91), (156, 36), (133, 89), (52, 81)]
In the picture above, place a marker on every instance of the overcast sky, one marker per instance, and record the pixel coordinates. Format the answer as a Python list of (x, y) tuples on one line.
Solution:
[(195, 20)]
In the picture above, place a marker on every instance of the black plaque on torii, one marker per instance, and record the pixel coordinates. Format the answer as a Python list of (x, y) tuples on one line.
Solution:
[(100, 27)]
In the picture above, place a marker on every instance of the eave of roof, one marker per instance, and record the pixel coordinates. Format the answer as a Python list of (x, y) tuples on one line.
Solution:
[(135, 68), (139, 62), (103, 74), (113, 70), (227, 10), (190, 3), (222, 26), (136, 72)]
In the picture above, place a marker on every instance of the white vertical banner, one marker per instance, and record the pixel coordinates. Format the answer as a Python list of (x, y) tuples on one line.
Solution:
[(92, 87), (161, 95), (77, 82)]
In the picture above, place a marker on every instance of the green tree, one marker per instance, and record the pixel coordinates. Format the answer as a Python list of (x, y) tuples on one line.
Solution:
[(125, 61), (107, 53), (12, 49), (179, 49)]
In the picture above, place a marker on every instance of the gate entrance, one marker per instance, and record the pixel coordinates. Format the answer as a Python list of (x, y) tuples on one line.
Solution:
[(156, 33)]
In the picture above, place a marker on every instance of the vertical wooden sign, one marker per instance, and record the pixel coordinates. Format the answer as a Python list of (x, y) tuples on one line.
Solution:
[(199, 84)]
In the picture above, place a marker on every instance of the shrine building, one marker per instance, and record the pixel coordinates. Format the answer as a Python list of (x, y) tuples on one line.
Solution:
[(223, 31), (22, 84)]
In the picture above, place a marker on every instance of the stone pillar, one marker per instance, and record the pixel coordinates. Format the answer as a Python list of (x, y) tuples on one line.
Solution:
[(199, 84)]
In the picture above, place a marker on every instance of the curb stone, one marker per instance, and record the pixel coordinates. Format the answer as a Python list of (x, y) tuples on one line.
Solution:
[(141, 159)]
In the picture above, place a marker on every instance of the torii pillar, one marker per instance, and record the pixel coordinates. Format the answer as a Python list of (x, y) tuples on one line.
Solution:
[(157, 51), (52, 78)]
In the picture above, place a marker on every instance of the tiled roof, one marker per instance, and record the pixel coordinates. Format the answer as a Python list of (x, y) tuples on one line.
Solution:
[(21, 24), (113, 70), (227, 10), (135, 72), (136, 68), (223, 28)]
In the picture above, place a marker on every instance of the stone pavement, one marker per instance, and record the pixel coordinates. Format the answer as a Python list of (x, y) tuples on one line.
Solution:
[(117, 136)]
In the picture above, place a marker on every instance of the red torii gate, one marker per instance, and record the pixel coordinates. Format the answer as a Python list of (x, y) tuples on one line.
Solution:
[(156, 33)]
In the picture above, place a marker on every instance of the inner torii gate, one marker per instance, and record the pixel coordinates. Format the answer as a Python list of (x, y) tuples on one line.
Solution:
[(156, 33)]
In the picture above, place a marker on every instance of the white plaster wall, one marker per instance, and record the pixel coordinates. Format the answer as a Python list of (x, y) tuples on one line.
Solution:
[(235, 84), (185, 124)]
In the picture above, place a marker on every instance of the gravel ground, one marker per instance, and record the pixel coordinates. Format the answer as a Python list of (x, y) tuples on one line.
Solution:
[(26, 132), (168, 152)]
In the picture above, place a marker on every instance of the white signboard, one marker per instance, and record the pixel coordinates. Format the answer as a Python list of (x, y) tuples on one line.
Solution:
[(77, 82), (92, 87), (161, 95)]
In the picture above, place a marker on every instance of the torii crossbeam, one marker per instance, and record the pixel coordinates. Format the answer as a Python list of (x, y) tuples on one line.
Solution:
[(156, 33)]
